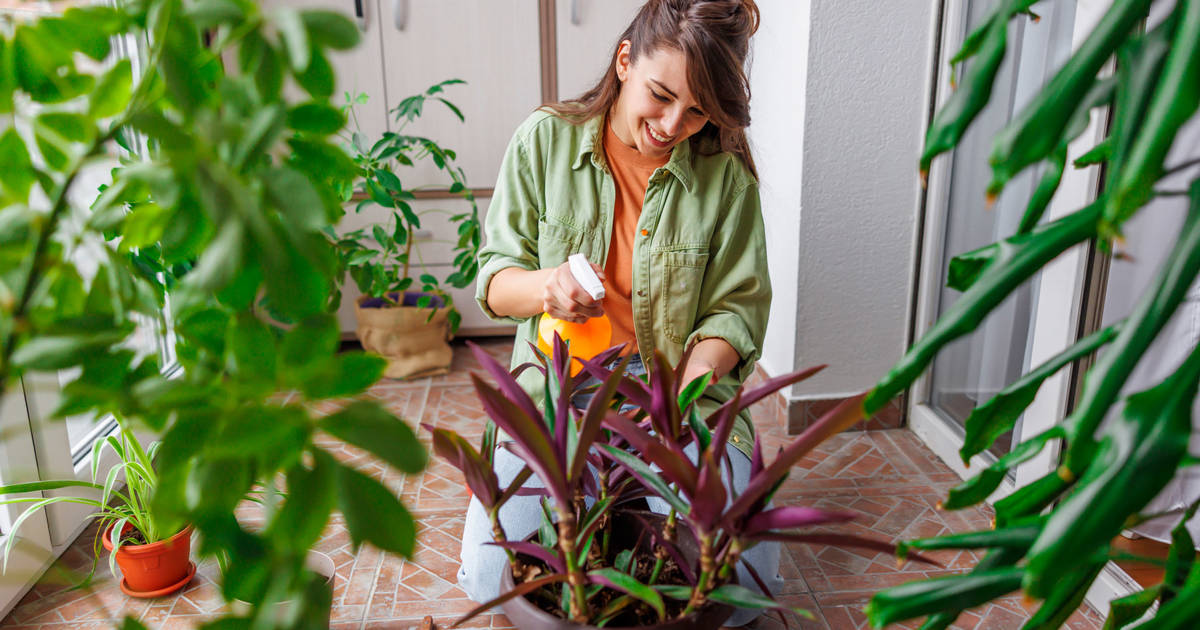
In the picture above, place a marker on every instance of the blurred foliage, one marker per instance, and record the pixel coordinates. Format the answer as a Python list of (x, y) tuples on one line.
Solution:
[(1053, 536), (216, 207), (379, 257)]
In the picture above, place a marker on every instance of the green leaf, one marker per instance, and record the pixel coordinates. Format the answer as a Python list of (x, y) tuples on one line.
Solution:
[(982, 485), (210, 13), (925, 597), (373, 514), (56, 352), (674, 591), (1013, 265), (742, 597), (1000, 413), (1126, 610), (16, 170), (317, 79), (308, 347), (113, 92), (294, 196), (260, 134), (295, 39), (312, 496), (330, 28), (651, 478), (1137, 456), (629, 584), (144, 226), (316, 118), (369, 426), (254, 431), (348, 374), (251, 348)]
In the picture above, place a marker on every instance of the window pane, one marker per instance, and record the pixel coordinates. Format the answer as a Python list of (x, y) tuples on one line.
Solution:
[(972, 369)]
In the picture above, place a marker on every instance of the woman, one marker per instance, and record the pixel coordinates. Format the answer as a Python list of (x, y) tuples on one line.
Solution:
[(649, 175)]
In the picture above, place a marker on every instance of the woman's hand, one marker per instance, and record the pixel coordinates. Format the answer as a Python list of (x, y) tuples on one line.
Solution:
[(564, 298)]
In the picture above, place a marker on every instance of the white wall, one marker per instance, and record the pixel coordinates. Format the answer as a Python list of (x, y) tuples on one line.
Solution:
[(777, 76), (840, 104)]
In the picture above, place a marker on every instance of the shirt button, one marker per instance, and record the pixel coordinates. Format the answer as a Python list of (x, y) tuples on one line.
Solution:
[(645, 232), (641, 293), (735, 439)]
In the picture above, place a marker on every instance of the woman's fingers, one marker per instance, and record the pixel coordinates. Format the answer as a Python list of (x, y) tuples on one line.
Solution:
[(565, 299)]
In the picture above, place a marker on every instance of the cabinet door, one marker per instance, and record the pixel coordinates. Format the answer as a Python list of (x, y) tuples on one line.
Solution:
[(586, 36), (493, 46), (359, 70)]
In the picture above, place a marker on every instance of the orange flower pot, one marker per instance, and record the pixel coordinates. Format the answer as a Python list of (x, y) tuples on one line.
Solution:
[(155, 569)]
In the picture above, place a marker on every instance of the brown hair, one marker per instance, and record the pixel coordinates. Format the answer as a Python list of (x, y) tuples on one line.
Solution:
[(714, 37)]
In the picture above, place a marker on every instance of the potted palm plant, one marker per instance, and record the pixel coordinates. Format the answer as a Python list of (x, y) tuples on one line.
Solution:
[(411, 327), (153, 552), (601, 560)]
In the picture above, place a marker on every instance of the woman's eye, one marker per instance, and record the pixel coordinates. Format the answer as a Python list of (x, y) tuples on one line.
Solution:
[(658, 97), (695, 112)]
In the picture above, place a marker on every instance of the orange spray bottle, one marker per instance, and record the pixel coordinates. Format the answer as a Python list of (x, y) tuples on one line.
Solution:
[(584, 340)]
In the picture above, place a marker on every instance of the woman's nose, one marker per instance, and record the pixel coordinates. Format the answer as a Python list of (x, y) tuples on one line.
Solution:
[(670, 121)]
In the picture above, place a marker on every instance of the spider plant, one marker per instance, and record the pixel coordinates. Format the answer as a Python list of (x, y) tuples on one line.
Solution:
[(115, 508)]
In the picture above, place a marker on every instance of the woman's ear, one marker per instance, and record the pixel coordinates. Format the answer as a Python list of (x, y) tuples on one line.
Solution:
[(623, 59)]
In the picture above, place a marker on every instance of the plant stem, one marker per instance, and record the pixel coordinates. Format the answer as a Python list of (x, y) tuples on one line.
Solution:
[(575, 578), (498, 535), (703, 582)]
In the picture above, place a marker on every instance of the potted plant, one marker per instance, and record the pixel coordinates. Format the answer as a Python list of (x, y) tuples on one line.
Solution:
[(600, 560), (153, 552), (410, 327)]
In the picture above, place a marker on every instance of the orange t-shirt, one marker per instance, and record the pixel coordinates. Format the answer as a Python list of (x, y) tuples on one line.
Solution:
[(631, 173)]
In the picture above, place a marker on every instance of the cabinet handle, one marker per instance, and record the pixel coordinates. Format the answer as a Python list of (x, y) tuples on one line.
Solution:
[(575, 17), (400, 14), (359, 16)]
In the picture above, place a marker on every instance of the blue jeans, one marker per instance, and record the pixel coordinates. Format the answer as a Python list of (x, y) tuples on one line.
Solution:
[(479, 575)]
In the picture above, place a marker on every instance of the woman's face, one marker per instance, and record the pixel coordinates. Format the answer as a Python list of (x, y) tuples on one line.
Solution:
[(655, 110)]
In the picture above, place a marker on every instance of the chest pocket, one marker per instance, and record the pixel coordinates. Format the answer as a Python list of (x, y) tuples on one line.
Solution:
[(683, 275), (557, 241)]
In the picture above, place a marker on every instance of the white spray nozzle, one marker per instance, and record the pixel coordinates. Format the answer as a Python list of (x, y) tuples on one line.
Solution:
[(586, 276)]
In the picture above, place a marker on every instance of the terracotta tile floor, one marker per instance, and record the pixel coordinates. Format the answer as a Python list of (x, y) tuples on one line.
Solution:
[(888, 476)]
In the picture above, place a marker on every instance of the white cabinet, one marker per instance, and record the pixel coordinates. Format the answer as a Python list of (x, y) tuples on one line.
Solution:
[(493, 46), (587, 33)]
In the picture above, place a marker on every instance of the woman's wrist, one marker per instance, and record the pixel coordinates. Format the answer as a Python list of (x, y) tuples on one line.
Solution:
[(516, 292)]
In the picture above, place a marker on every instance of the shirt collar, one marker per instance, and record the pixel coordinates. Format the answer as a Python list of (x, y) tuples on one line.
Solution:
[(680, 164)]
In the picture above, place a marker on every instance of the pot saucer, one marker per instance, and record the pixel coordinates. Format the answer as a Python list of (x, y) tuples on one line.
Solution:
[(162, 591)]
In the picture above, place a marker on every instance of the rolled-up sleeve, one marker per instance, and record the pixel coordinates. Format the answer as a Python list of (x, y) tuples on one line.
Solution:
[(511, 226), (735, 298)]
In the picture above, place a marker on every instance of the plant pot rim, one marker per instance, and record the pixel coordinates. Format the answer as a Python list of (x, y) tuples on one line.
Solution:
[(148, 548), (166, 590)]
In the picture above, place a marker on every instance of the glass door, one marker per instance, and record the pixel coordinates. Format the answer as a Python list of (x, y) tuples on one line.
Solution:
[(1039, 318)]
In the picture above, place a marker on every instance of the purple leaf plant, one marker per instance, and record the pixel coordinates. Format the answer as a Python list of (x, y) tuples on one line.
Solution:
[(596, 461)]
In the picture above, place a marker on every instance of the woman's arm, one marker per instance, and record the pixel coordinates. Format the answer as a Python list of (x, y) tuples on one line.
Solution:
[(520, 293), (710, 355)]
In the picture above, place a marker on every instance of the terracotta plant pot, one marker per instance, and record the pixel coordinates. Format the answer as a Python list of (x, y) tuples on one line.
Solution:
[(413, 344), (528, 616), (155, 569)]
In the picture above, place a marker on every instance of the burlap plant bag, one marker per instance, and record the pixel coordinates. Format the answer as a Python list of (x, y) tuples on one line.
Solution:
[(412, 346)]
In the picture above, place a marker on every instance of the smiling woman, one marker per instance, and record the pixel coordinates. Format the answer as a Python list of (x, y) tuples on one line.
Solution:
[(649, 176)]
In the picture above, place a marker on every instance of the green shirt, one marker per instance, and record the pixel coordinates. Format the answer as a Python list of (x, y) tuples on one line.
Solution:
[(699, 260)]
